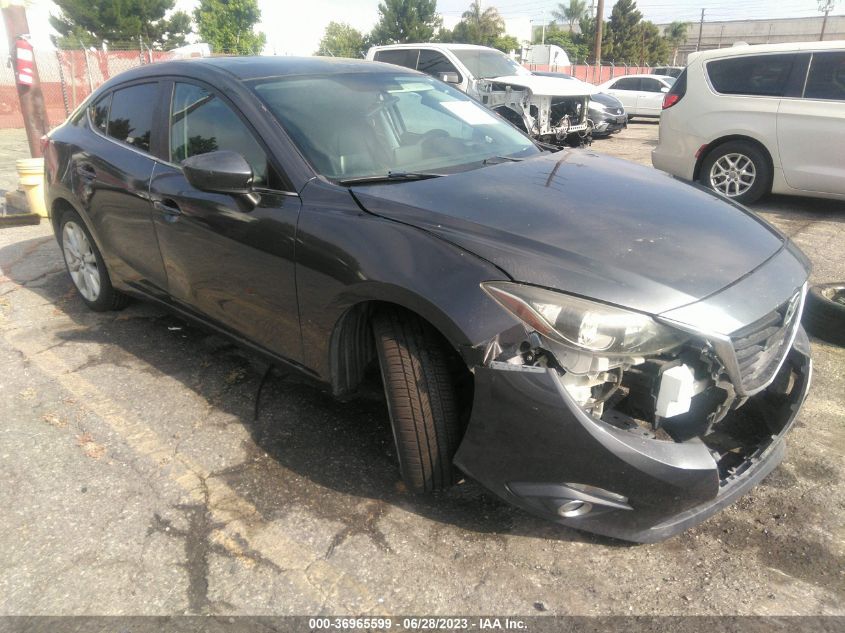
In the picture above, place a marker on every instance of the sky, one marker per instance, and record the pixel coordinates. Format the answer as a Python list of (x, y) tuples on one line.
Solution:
[(295, 27)]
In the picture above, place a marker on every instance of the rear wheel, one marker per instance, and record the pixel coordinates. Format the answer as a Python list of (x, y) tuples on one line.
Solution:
[(421, 398), (86, 267), (738, 170)]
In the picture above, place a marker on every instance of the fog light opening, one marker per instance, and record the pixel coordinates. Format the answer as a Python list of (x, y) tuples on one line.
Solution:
[(574, 508)]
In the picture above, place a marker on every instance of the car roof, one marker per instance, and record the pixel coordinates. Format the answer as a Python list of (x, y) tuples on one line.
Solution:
[(437, 45), (755, 49), (638, 75), (254, 67)]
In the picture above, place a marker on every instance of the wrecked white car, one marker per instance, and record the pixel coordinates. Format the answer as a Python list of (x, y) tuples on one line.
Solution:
[(550, 109)]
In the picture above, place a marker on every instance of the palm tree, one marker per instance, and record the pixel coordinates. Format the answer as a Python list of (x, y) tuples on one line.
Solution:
[(571, 14), (676, 34), (484, 24)]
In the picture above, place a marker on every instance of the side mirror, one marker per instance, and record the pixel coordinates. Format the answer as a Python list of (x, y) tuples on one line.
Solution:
[(219, 172), (664, 89), (449, 78)]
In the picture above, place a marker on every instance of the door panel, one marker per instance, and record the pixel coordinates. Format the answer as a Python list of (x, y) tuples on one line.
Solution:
[(112, 181), (228, 259), (811, 131), (650, 97), (626, 90), (228, 262)]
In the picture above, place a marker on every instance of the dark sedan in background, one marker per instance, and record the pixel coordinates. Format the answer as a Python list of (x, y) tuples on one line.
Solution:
[(605, 112), (593, 341)]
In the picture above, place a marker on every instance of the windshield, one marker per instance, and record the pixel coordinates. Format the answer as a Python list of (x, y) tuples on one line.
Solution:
[(486, 64), (359, 125)]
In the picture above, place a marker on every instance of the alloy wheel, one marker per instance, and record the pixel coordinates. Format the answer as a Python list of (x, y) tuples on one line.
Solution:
[(733, 174), (81, 261)]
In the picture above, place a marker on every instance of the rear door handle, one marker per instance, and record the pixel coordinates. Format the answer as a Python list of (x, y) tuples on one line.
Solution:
[(168, 208)]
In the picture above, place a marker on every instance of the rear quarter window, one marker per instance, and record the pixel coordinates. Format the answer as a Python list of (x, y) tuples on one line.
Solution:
[(753, 75), (826, 79)]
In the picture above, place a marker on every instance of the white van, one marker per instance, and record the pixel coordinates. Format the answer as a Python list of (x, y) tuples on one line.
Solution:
[(550, 109), (750, 120)]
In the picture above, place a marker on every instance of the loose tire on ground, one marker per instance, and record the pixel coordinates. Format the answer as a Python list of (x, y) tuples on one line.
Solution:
[(421, 398), (762, 172), (106, 297), (824, 312)]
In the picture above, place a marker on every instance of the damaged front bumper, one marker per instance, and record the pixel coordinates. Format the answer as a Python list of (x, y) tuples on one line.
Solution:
[(530, 443)]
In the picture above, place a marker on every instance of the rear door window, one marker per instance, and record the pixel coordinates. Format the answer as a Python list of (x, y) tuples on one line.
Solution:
[(652, 85), (826, 79), (131, 115), (406, 57), (627, 83), (753, 75)]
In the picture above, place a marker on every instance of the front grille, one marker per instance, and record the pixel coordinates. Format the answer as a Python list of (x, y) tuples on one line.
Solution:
[(760, 347)]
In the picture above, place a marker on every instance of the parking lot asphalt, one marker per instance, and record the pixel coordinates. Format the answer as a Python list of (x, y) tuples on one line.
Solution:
[(136, 480)]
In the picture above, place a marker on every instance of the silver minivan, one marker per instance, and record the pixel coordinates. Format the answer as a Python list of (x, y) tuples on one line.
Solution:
[(750, 120)]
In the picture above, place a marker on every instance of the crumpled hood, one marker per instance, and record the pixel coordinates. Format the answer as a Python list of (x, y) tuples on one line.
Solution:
[(589, 225), (548, 86)]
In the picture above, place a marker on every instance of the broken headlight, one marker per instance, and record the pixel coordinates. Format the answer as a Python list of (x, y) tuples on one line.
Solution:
[(583, 325)]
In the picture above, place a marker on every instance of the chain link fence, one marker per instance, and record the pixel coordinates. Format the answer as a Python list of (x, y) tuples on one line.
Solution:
[(68, 76), (594, 74)]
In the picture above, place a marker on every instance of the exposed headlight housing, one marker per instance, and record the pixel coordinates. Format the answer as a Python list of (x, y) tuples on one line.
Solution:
[(583, 325)]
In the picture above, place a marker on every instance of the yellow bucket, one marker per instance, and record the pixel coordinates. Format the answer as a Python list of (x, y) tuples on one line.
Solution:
[(31, 176)]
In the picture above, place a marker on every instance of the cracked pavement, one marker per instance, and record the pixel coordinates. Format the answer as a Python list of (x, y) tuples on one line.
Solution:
[(136, 480)]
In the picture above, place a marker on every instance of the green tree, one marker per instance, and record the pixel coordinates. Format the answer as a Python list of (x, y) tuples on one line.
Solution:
[(622, 32), (228, 26), (676, 34), (120, 22), (402, 21), (587, 32), (480, 26), (654, 48), (507, 43), (571, 13), (341, 40), (567, 41)]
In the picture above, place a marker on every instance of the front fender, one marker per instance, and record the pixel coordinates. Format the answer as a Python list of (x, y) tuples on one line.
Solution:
[(347, 257)]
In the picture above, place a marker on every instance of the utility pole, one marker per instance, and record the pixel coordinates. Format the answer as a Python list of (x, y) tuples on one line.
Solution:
[(700, 27), (30, 95), (825, 6), (543, 16), (599, 24)]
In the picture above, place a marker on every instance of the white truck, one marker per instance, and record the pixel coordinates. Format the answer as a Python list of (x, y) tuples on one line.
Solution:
[(550, 109), (546, 55)]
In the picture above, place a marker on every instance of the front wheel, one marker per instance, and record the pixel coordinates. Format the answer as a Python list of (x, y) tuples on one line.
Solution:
[(86, 267), (737, 170), (421, 398)]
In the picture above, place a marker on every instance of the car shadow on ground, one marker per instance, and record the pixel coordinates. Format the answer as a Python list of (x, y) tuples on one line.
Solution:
[(795, 207), (308, 450)]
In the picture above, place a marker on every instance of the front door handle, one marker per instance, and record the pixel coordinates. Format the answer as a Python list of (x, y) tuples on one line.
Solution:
[(169, 209)]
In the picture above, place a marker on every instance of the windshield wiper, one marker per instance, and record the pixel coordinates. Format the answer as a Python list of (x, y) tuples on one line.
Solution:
[(495, 160), (391, 176)]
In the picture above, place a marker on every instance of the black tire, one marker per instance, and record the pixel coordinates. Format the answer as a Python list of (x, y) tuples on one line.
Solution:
[(824, 315), (421, 398), (107, 297), (763, 174)]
